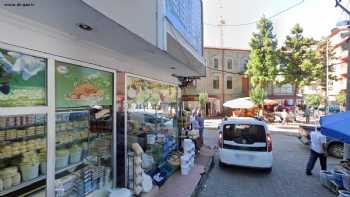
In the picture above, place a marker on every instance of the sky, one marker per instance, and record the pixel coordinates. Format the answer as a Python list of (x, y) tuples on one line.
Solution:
[(317, 17)]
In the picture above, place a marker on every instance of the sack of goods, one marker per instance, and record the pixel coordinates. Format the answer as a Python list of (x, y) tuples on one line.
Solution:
[(188, 145), (187, 159), (194, 134)]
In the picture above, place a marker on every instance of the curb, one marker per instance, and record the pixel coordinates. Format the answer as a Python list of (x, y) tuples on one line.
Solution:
[(204, 176)]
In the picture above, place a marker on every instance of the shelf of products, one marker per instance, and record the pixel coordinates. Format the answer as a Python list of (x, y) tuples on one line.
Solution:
[(22, 151), (76, 141), (42, 177)]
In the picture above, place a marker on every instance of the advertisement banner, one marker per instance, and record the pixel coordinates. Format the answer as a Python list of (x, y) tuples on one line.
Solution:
[(22, 79), (78, 86), (186, 17)]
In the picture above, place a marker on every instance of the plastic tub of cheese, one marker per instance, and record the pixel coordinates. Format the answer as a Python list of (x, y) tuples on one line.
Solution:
[(29, 172), (62, 158), (75, 154)]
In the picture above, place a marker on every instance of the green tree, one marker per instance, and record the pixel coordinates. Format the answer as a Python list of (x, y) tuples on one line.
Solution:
[(314, 100), (262, 64), (258, 95), (202, 99), (341, 99), (299, 61)]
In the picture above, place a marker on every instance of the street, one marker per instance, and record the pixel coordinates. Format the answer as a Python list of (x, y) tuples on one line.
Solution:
[(286, 179)]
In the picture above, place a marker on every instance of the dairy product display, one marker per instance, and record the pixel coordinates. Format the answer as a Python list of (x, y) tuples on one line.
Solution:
[(22, 148)]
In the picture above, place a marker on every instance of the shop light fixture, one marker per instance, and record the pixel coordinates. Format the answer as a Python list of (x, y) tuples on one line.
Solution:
[(84, 27)]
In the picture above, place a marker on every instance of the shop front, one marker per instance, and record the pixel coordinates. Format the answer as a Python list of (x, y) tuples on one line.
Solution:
[(74, 98), (151, 123), (57, 126)]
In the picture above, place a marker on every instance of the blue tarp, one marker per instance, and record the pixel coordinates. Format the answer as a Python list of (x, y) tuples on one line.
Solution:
[(337, 126)]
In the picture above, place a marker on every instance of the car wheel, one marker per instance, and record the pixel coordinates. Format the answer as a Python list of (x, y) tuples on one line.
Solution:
[(336, 150)]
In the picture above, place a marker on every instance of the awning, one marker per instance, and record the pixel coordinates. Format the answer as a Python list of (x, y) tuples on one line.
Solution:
[(337, 126), (51, 27), (239, 103)]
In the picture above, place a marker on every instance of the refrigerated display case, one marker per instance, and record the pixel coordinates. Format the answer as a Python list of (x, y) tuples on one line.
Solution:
[(83, 151), (57, 127), (22, 153)]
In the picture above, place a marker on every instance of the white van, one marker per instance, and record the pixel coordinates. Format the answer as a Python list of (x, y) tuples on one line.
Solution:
[(245, 142)]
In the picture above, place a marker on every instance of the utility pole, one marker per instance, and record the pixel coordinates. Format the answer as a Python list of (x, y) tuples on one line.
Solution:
[(221, 28), (222, 22)]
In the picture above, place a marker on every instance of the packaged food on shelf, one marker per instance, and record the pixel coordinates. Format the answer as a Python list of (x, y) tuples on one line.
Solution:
[(75, 154), (30, 131), (9, 176), (11, 134), (64, 185), (1, 185), (7, 182), (29, 166), (85, 148), (21, 133), (42, 159), (16, 179), (2, 122), (40, 119), (40, 130), (10, 121), (2, 135), (29, 172), (62, 158)]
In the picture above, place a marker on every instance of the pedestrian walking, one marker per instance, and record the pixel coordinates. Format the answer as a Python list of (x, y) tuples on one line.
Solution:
[(200, 128), (317, 151), (192, 119), (307, 114), (284, 116)]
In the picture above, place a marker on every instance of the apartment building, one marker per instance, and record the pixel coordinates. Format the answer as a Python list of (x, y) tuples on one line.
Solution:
[(338, 42)]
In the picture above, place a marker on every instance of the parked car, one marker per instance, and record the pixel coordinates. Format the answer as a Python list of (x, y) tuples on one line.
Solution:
[(335, 147), (245, 142)]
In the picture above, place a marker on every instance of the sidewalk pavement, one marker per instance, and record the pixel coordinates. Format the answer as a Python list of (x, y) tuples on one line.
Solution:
[(189, 185)]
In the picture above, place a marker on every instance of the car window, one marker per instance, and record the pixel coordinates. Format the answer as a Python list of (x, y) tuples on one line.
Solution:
[(244, 133)]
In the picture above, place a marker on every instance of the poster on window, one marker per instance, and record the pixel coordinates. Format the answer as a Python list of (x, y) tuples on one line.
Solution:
[(78, 86), (22, 79)]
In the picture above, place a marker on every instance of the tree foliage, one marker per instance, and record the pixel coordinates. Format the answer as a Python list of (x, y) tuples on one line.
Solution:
[(314, 100), (262, 64), (257, 95), (203, 98), (300, 63), (341, 98)]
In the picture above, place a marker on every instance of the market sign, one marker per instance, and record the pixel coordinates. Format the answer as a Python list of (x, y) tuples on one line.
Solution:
[(186, 17), (78, 86), (22, 79)]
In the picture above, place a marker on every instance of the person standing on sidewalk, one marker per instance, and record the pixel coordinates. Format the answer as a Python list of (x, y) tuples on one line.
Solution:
[(200, 128), (317, 150), (307, 114), (192, 119)]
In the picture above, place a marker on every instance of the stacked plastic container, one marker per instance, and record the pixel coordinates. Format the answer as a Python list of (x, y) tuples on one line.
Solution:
[(187, 159), (168, 146)]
